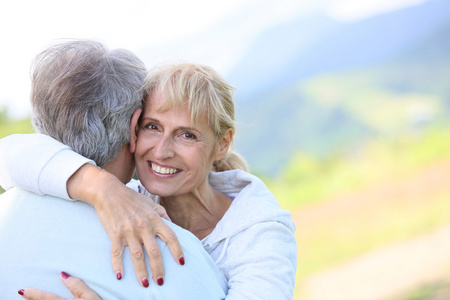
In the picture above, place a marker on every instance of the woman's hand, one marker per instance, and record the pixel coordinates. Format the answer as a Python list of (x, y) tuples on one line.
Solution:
[(76, 286), (129, 218)]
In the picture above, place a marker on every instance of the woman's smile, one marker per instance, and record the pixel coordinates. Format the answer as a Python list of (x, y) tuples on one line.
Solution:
[(163, 170)]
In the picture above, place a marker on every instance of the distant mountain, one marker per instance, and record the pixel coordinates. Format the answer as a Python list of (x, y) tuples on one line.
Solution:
[(405, 51), (316, 44)]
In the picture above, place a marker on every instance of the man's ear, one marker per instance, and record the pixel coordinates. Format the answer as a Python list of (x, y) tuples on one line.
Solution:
[(134, 126), (224, 144)]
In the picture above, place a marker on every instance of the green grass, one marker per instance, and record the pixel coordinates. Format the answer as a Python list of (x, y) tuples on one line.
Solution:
[(337, 240), (8, 127), (308, 179)]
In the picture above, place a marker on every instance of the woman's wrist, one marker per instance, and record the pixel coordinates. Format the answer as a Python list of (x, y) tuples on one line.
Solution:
[(89, 183)]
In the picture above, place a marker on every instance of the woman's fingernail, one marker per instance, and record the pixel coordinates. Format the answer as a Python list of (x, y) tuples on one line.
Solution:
[(65, 275), (21, 292), (181, 260), (145, 282), (160, 281), (119, 275)]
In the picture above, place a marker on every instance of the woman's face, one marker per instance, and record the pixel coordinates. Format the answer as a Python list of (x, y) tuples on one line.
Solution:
[(173, 156)]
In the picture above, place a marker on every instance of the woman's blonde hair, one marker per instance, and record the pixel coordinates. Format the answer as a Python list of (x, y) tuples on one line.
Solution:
[(206, 94)]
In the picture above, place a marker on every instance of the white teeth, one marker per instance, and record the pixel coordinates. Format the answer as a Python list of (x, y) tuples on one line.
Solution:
[(163, 170)]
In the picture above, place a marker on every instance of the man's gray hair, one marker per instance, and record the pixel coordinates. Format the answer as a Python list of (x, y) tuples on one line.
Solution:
[(84, 95)]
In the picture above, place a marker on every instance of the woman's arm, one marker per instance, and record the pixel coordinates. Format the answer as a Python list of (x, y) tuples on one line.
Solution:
[(40, 164)]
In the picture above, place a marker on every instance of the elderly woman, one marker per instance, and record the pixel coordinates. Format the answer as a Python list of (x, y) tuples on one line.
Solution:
[(182, 147)]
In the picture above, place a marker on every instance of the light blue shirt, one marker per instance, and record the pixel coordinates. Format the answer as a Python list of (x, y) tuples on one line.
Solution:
[(40, 236)]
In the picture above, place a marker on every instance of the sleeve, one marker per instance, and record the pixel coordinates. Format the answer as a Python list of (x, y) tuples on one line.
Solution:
[(262, 263), (38, 163)]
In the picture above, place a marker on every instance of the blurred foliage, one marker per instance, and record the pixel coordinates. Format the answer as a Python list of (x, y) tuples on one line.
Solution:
[(9, 126), (308, 179)]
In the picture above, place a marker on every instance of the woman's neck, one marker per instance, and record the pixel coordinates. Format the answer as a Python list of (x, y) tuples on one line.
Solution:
[(198, 212)]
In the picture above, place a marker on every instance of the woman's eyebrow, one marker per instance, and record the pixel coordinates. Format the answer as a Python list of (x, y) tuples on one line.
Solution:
[(188, 128), (147, 119)]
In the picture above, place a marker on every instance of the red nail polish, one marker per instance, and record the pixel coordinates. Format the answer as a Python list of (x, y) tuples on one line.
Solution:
[(145, 282), (181, 260), (65, 275), (21, 292), (119, 275), (160, 281)]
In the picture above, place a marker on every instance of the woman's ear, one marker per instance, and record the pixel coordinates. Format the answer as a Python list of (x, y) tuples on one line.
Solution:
[(134, 126), (224, 144)]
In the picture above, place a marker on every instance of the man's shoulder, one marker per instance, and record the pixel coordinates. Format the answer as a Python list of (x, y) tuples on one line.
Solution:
[(39, 204)]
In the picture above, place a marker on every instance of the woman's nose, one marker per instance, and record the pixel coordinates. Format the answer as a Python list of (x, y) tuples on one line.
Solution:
[(164, 148)]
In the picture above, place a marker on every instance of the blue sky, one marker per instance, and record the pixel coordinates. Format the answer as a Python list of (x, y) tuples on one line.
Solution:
[(216, 33)]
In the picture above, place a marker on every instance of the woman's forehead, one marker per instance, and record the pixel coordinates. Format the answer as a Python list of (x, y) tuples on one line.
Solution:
[(159, 102)]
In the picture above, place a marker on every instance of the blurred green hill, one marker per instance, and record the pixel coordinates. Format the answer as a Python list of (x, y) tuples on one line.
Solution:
[(329, 88)]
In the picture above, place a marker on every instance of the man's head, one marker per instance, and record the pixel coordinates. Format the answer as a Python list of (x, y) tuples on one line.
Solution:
[(84, 95)]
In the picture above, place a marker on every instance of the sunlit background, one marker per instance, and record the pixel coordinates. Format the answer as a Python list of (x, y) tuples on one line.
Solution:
[(343, 109)]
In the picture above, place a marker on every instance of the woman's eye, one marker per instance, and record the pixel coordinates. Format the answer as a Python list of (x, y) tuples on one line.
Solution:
[(152, 127), (189, 136)]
